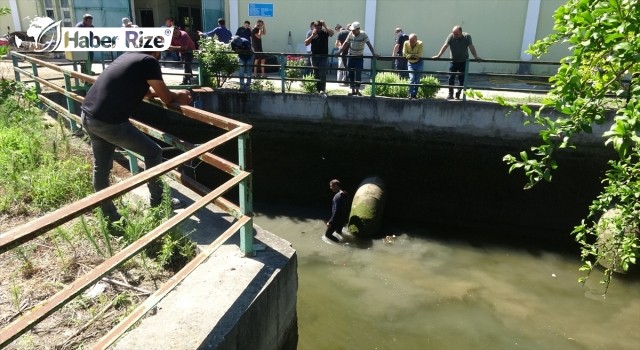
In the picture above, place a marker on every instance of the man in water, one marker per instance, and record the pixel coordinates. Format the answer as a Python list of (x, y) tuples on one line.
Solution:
[(339, 211)]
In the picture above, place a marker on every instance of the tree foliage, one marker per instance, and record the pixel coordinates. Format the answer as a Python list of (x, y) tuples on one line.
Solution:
[(216, 60), (597, 83)]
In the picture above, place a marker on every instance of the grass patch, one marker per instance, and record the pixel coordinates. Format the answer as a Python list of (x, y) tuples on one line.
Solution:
[(46, 168)]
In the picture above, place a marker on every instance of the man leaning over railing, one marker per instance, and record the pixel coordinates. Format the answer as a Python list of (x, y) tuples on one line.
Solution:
[(460, 43)]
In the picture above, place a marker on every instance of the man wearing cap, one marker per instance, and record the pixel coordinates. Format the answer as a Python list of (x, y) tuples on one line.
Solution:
[(355, 44), (221, 32), (126, 22), (87, 22)]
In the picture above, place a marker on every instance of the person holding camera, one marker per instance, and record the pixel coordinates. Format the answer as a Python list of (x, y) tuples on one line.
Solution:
[(260, 59), (319, 41)]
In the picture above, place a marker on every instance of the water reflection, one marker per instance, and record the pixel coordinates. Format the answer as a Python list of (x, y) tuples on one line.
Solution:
[(423, 292)]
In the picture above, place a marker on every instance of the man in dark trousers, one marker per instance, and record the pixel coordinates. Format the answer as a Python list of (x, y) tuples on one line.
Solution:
[(460, 43), (105, 116), (319, 40), (339, 211)]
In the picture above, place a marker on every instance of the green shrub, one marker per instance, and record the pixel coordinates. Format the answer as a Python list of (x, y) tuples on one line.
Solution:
[(389, 90), (217, 62), (294, 69), (429, 86), (309, 84)]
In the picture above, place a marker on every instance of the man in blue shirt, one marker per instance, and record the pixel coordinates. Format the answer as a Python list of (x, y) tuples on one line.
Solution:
[(223, 34)]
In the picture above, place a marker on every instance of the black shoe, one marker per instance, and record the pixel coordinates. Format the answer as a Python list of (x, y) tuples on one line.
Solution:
[(450, 97), (458, 95)]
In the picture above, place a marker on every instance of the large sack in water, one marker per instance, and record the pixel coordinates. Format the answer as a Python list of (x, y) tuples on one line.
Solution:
[(367, 208)]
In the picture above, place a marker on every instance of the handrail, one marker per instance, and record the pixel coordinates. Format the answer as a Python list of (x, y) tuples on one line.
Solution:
[(282, 66), (240, 177)]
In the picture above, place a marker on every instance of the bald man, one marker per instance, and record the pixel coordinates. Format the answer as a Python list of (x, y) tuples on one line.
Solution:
[(460, 44)]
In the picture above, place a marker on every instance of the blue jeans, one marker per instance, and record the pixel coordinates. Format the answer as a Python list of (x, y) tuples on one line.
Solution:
[(246, 65), (354, 65), (104, 139), (415, 71), (320, 64)]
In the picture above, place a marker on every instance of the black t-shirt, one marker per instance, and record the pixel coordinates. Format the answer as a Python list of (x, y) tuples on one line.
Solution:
[(121, 87), (400, 39), (320, 45)]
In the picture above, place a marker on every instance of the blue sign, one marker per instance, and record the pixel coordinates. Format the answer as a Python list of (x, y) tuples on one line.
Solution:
[(260, 10)]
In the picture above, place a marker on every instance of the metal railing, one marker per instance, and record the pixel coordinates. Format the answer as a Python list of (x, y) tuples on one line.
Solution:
[(240, 177), (443, 75)]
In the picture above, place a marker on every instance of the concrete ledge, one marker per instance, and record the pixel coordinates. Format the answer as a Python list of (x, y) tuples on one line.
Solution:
[(472, 118)]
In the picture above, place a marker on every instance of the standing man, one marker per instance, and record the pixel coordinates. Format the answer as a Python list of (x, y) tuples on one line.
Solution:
[(319, 41), (169, 22), (343, 33), (87, 22), (181, 42), (355, 44), (105, 115), (256, 42), (221, 32), (245, 31), (242, 47), (339, 211), (460, 44), (413, 54), (400, 63)]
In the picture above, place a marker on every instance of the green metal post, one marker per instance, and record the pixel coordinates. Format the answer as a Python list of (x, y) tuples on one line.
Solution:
[(283, 73), (34, 69), (466, 69), (14, 59), (133, 163), (246, 195), (71, 106), (373, 76)]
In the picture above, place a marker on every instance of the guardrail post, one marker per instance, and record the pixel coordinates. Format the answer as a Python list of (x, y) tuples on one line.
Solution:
[(283, 71), (34, 69), (372, 76), (133, 163), (14, 59), (71, 106), (246, 195), (466, 75)]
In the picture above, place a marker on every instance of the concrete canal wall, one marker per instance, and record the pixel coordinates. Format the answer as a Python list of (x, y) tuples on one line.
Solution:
[(469, 118)]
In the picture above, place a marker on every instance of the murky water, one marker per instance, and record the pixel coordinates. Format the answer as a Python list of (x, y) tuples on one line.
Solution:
[(425, 291)]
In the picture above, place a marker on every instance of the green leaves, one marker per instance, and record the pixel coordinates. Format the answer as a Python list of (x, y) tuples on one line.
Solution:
[(218, 61), (605, 39)]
